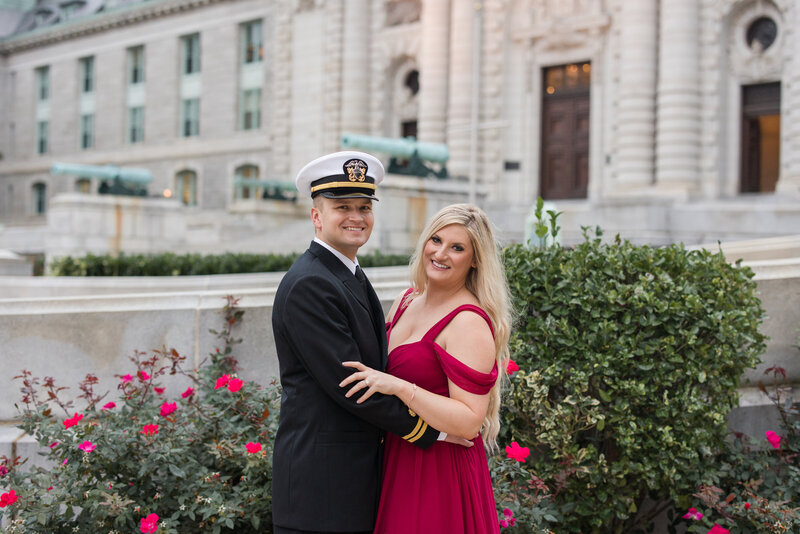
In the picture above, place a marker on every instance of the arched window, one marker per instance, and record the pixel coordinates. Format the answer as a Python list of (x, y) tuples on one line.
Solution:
[(83, 185), (39, 198), (246, 182), (186, 187)]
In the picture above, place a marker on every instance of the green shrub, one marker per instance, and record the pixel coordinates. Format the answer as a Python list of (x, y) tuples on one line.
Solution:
[(755, 487), (169, 264), (110, 470), (630, 360)]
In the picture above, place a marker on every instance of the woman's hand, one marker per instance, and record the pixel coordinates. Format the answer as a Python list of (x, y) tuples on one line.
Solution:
[(371, 380)]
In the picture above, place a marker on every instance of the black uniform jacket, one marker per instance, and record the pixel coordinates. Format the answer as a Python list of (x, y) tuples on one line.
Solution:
[(327, 455)]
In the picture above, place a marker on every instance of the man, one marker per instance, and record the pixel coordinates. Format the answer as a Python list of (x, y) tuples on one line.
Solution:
[(327, 455)]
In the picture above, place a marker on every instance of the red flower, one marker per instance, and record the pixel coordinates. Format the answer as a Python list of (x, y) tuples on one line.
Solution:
[(3, 470), (143, 376), (504, 523), (7, 499), (747, 506), (187, 393), (149, 430), (149, 524), (512, 367), (774, 439), (72, 421), (87, 446), (222, 381), (126, 378), (167, 408), (253, 448), (515, 452), (235, 385), (716, 529), (109, 406), (692, 513), (160, 391)]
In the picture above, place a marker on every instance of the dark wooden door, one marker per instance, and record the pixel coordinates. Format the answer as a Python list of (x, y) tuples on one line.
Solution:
[(565, 134), (760, 148)]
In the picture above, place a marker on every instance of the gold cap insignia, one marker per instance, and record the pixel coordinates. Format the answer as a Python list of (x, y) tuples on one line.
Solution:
[(355, 169)]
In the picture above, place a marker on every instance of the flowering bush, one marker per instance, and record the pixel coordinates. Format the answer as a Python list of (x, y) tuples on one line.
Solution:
[(199, 463), (630, 358), (761, 480)]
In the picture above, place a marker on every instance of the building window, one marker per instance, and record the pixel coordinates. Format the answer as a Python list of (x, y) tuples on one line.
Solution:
[(42, 128), (135, 124), (252, 46), (191, 53), (246, 182), (760, 137), (87, 74), (186, 186), (135, 65), (87, 131), (190, 117), (39, 198), (43, 84), (83, 185), (250, 113)]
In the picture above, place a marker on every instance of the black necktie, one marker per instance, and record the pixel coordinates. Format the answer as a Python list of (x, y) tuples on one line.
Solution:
[(362, 279)]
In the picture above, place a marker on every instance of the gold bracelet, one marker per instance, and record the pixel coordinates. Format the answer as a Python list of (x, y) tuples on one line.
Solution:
[(413, 392)]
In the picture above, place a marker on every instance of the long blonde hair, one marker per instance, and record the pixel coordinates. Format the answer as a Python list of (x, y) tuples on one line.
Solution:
[(487, 282)]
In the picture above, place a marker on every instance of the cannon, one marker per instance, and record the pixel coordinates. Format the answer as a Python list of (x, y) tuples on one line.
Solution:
[(270, 189), (407, 155), (115, 180)]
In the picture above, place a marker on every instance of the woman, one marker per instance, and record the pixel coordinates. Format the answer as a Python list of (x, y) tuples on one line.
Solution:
[(443, 364)]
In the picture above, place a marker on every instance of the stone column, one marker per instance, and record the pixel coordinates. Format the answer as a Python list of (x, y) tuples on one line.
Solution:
[(462, 42), (356, 70), (678, 134), (637, 93), (789, 181), (433, 68)]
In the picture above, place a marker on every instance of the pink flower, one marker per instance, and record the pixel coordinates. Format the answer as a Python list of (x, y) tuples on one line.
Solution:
[(54, 445), (512, 367), (515, 452), (126, 378), (160, 391), (109, 406), (508, 518), (65, 461), (72, 421), (7, 499), (222, 381), (716, 529), (149, 524), (187, 393), (87, 446), (774, 439), (149, 430), (747, 506), (692, 513), (3, 470), (253, 448), (51, 487), (504, 523), (235, 385), (167, 408), (143, 376)]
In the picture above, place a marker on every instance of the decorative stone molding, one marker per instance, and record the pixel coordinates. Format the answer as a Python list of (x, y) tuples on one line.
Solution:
[(751, 64), (102, 22)]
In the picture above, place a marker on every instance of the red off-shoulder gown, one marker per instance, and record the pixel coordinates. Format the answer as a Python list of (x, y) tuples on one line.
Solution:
[(445, 488)]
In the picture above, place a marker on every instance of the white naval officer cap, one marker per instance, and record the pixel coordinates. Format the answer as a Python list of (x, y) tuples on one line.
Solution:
[(347, 174)]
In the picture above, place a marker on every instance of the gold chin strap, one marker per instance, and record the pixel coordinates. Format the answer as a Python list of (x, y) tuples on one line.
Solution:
[(331, 185)]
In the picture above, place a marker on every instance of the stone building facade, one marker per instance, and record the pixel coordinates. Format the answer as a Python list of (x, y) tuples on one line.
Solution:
[(662, 120)]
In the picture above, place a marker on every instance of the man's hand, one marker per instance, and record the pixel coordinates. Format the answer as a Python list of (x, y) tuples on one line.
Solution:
[(458, 441)]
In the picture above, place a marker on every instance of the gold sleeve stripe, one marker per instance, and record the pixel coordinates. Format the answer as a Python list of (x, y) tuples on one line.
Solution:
[(420, 433), (413, 433), (330, 185)]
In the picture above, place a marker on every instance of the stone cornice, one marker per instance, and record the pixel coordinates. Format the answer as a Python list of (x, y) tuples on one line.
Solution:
[(100, 22)]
